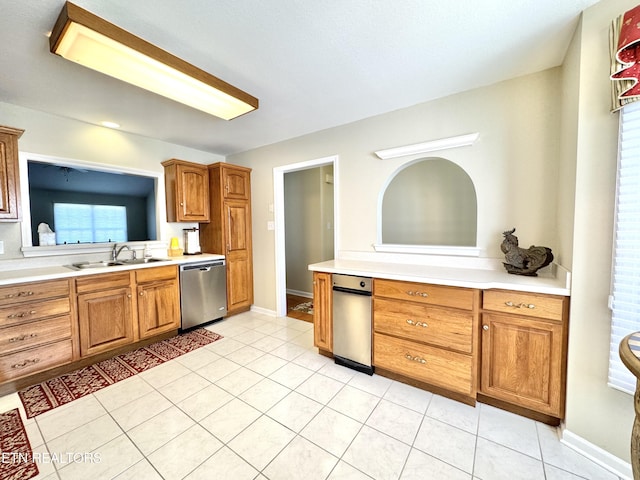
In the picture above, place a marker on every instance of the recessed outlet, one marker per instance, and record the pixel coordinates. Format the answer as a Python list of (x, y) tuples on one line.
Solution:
[(1, 247)]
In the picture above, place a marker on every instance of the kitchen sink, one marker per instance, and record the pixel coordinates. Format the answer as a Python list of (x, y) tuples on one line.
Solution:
[(135, 261), (111, 263), (102, 264)]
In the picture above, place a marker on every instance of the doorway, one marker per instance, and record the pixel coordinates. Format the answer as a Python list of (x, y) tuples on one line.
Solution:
[(305, 206)]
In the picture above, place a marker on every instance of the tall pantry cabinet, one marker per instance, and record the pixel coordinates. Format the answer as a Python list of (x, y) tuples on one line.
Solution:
[(229, 232)]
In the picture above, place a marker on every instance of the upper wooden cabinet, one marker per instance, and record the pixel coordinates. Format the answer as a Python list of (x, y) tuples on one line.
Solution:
[(9, 177), (236, 182), (187, 191), (229, 232)]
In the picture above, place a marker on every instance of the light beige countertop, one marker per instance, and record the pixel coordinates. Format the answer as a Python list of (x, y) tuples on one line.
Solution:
[(553, 281), (9, 277)]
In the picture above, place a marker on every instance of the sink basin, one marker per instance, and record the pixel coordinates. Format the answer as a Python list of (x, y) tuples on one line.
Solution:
[(111, 263), (102, 264), (135, 261)]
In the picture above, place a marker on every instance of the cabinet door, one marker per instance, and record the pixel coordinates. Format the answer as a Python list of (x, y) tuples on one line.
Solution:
[(236, 183), (9, 187), (237, 232), (239, 283), (522, 362), (158, 308), (193, 193), (105, 320), (322, 311)]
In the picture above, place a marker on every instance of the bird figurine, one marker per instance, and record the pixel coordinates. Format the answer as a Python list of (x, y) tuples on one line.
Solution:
[(521, 261)]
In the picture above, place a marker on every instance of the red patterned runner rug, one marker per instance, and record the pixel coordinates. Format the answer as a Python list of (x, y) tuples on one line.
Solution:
[(16, 459), (48, 395)]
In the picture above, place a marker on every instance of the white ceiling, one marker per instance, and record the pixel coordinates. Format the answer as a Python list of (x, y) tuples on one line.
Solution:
[(313, 64)]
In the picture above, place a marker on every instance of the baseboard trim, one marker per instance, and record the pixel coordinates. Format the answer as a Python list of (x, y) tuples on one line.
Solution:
[(299, 293), (263, 311), (596, 454)]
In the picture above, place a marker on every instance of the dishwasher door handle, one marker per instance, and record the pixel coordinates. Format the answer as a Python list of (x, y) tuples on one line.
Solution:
[(205, 269)]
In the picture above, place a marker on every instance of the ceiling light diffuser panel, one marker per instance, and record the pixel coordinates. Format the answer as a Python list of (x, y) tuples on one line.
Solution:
[(84, 38)]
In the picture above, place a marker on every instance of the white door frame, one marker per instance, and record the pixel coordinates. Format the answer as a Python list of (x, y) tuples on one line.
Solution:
[(278, 210)]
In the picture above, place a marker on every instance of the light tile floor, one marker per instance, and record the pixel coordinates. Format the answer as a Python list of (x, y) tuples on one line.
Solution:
[(262, 404)]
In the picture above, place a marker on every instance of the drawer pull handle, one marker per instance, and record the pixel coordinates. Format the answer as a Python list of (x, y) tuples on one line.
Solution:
[(19, 294), (408, 356), (417, 294), (22, 337), (26, 363), (519, 305), (22, 314), (416, 324)]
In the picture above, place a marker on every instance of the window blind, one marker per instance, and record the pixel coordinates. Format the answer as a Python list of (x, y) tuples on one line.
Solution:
[(625, 299), (79, 223)]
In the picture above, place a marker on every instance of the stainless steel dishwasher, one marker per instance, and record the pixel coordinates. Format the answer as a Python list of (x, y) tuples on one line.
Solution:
[(352, 322), (203, 292)]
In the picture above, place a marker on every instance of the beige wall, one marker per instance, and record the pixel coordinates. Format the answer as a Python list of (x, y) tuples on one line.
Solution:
[(595, 412), (514, 166), (61, 137)]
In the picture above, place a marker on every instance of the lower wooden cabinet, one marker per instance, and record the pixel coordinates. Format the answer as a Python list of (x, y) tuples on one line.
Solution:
[(60, 323), (427, 333), (37, 328), (105, 320), (446, 369), (506, 347), (323, 311), (109, 316), (33, 360), (158, 301), (524, 350)]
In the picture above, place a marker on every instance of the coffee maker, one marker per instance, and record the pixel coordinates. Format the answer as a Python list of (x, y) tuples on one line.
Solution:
[(191, 241)]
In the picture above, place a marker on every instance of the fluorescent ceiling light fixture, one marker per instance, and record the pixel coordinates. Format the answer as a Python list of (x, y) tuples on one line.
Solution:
[(432, 146), (84, 38)]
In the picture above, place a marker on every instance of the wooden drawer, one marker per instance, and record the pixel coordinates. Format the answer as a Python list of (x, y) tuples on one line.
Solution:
[(432, 365), (425, 293), (31, 334), (157, 273), (28, 292), (104, 281), (438, 326), (25, 312), (33, 360), (523, 303)]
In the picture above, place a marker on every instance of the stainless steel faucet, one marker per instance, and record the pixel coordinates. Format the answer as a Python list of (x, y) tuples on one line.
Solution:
[(116, 251)]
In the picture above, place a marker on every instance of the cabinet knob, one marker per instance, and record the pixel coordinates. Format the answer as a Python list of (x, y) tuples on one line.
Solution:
[(485, 327), (142, 294)]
